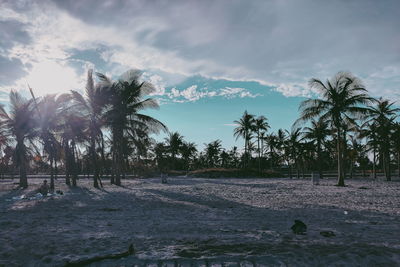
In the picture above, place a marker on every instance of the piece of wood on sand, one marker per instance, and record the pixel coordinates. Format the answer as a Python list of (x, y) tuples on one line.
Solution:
[(84, 262)]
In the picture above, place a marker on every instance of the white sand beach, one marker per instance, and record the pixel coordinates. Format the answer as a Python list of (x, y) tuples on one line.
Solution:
[(201, 221)]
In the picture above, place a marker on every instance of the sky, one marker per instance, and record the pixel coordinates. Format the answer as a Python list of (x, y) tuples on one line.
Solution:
[(208, 60)]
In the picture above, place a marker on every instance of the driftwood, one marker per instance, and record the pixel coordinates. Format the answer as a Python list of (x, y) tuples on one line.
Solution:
[(84, 262)]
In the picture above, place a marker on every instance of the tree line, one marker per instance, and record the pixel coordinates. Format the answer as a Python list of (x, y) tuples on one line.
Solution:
[(98, 132), (104, 131), (344, 128)]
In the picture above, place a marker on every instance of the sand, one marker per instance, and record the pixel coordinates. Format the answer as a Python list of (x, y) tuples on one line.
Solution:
[(199, 222)]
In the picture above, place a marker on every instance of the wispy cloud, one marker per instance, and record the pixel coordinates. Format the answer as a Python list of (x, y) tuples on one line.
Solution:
[(192, 93), (269, 41)]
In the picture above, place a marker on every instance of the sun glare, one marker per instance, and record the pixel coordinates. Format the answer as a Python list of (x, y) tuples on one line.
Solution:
[(50, 77)]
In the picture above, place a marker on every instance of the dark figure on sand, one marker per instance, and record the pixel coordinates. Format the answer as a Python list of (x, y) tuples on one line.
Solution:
[(44, 188)]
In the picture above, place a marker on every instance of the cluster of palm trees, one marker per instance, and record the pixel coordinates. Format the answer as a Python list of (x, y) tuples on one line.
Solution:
[(174, 153), (104, 132), (99, 130), (346, 128)]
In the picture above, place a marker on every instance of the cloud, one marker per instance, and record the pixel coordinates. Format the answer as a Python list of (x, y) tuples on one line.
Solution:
[(279, 43), (11, 69), (192, 94), (12, 32), (291, 89), (229, 92)]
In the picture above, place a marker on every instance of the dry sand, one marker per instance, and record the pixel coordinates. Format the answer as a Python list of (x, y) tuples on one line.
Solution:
[(204, 222)]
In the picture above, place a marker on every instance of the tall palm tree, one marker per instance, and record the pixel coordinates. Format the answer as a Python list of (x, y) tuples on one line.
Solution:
[(19, 123), (72, 133), (342, 102), (273, 144), (383, 115), (281, 140), (294, 143), (260, 126), (245, 126), (50, 110), (126, 101), (317, 134), (92, 106), (369, 131), (396, 144)]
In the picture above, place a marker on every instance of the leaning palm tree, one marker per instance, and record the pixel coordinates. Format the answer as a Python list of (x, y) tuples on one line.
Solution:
[(92, 106), (342, 101), (245, 126), (127, 99), (19, 123)]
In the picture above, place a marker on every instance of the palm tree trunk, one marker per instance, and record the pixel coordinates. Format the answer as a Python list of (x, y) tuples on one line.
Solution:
[(74, 165), (51, 173), (94, 161), (67, 163), (382, 162), (55, 168), (339, 162), (118, 137), (398, 164), (319, 160), (259, 152), (351, 169), (388, 169), (374, 163), (23, 180), (245, 151)]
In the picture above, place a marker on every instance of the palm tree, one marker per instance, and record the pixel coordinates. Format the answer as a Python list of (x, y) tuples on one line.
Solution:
[(160, 152), (260, 126), (342, 103), (369, 130), (212, 152), (234, 155), (174, 143), (92, 106), (72, 133), (273, 144), (20, 123), (281, 140), (50, 110), (317, 134), (295, 136), (188, 151), (126, 101), (245, 126), (396, 144), (383, 115)]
